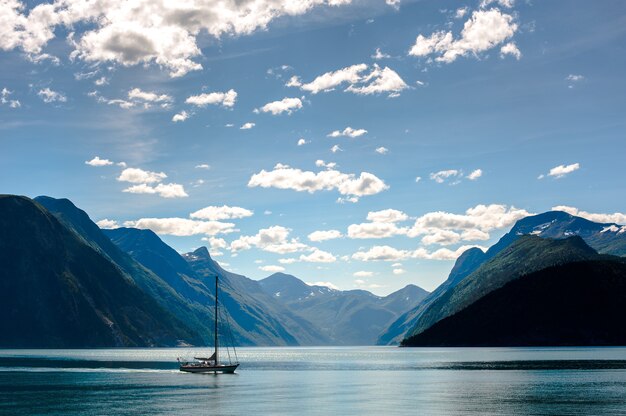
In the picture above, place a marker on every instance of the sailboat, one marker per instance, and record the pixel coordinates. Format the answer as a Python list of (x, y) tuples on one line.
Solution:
[(213, 363)]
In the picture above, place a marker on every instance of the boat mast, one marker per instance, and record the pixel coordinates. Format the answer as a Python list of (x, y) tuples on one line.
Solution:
[(216, 345)]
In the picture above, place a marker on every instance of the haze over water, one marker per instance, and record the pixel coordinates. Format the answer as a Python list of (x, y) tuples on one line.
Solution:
[(343, 381)]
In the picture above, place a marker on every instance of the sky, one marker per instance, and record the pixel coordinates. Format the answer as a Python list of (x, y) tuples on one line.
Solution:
[(359, 144)]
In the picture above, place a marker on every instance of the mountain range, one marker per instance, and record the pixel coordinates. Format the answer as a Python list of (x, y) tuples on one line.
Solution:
[(553, 279)]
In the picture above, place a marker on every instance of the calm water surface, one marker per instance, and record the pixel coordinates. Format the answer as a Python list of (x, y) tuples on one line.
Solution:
[(318, 381)]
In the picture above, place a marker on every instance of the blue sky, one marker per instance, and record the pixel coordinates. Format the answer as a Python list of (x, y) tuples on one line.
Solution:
[(500, 108)]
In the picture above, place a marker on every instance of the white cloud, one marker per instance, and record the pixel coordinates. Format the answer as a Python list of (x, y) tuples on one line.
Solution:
[(107, 224), (336, 149), (247, 126), (330, 80), (5, 96), (441, 237), (272, 269), (286, 105), (203, 166), (215, 242), (224, 212), (617, 217), (324, 235), (399, 271), (382, 150), (481, 217), (181, 227), (50, 96), (387, 215), (363, 274), (396, 265), (510, 49), (287, 261), (96, 161), (574, 78), (380, 55), (443, 175), (274, 239), (504, 3), (146, 96), (393, 3), (417, 179), (562, 170), (136, 175), (375, 230), (380, 81), (226, 99), (182, 116), (348, 132), (474, 235), (461, 12), (483, 31), (302, 142), (140, 32), (387, 253), (377, 81), (318, 256), (101, 81), (285, 177), (475, 174), (169, 190)]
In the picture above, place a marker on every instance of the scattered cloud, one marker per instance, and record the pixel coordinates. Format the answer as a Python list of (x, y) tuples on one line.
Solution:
[(561, 170), (399, 271), (272, 269), (5, 99), (336, 149), (318, 256), (224, 212), (617, 217), (203, 166), (574, 78), (107, 224), (325, 284), (181, 227), (169, 190), (96, 161), (142, 32), (378, 55), (182, 116), (286, 177), (136, 175), (377, 81), (475, 174), (274, 239), (444, 175), (387, 253), (247, 126), (461, 12), (510, 49), (484, 30), (363, 274), (387, 215), (286, 105), (302, 142), (150, 97), (375, 230), (348, 132), (393, 3), (50, 96), (382, 150), (324, 235), (226, 99)]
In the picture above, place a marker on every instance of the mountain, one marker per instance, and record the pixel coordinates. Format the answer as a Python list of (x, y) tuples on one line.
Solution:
[(606, 238), (352, 317), (578, 303), (249, 299), (59, 292), (527, 254), (162, 291)]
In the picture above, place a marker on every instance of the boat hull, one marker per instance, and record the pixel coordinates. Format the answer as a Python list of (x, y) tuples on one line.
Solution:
[(226, 369)]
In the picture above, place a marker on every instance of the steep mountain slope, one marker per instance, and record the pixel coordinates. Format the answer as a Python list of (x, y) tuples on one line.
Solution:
[(162, 291), (353, 317), (605, 238), (579, 303), (526, 255), (58, 292), (253, 308)]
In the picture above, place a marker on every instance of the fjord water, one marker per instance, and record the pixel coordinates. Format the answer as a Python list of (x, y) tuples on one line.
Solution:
[(343, 381)]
